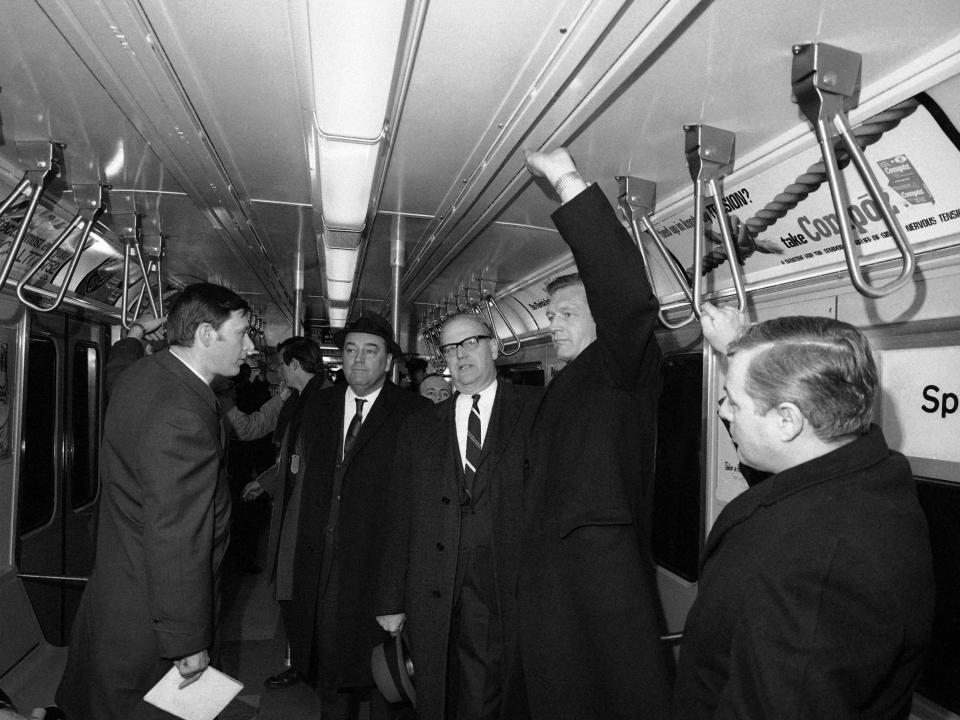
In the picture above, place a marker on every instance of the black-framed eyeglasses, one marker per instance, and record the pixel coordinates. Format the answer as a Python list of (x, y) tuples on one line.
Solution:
[(468, 344)]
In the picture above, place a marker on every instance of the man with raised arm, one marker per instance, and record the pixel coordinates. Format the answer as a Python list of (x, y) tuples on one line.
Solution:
[(590, 612), (451, 572), (816, 590), (164, 520)]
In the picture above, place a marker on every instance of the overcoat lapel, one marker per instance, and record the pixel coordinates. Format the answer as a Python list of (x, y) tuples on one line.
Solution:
[(376, 416), (503, 422)]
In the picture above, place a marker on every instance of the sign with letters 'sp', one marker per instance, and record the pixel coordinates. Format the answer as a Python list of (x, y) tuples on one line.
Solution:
[(921, 401)]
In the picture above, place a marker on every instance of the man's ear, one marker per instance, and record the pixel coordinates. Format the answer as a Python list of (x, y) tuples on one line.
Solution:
[(790, 421), (204, 335), (494, 349)]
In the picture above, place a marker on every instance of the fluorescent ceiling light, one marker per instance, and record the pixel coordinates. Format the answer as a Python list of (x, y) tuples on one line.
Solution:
[(346, 181), (338, 316), (340, 264), (354, 48), (339, 291)]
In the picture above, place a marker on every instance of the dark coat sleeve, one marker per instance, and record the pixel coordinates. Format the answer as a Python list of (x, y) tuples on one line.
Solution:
[(619, 295), (178, 463), (123, 354)]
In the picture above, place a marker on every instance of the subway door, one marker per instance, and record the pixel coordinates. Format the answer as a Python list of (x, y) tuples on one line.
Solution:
[(59, 476)]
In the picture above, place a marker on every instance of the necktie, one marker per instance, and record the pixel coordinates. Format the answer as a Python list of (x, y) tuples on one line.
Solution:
[(473, 449), (354, 428)]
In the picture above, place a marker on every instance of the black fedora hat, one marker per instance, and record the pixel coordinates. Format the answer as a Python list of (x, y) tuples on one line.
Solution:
[(373, 324), (392, 669)]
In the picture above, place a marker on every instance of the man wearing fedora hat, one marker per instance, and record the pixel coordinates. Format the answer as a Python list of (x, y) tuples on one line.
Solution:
[(349, 433)]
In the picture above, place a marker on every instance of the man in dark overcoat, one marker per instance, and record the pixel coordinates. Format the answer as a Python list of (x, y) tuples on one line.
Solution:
[(302, 371), (451, 576), (816, 591), (152, 598), (349, 436), (590, 612)]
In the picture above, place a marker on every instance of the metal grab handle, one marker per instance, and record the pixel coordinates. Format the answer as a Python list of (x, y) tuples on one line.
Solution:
[(638, 197), (133, 243), (826, 85), (492, 305), (55, 578), (91, 202), (19, 190), (45, 158), (154, 251), (709, 153)]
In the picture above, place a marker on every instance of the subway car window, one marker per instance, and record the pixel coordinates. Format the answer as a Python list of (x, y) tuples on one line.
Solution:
[(38, 487), (529, 373), (85, 423), (941, 503), (678, 496)]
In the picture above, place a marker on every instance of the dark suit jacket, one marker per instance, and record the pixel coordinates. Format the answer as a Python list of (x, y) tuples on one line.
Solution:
[(352, 539), (163, 531), (418, 573), (590, 611), (816, 595)]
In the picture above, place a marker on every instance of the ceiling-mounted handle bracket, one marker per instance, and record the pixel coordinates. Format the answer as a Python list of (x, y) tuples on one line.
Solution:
[(91, 203), (42, 162), (637, 201), (826, 86), (710, 156)]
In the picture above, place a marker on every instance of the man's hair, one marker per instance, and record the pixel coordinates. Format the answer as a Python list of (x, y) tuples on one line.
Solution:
[(482, 321), (305, 351), (821, 365), (562, 281), (201, 303), (283, 343)]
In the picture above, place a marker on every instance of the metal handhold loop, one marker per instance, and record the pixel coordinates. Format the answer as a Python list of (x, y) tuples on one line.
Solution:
[(92, 204), (491, 306), (826, 85), (638, 198), (709, 157), (44, 161)]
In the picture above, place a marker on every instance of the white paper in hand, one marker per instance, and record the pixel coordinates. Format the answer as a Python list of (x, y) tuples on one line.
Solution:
[(201, 700)]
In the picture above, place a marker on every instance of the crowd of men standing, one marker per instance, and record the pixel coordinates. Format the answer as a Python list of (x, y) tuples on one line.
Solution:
[(505, 531)]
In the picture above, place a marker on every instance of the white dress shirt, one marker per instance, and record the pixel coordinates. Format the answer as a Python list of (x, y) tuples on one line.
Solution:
[(350, 409), (462, 415)]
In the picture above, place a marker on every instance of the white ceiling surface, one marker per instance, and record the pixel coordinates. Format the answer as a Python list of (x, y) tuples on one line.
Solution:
[(204, 98)]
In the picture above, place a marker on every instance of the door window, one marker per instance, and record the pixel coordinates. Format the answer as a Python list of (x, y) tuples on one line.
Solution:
[(85, 423), (38, 485)]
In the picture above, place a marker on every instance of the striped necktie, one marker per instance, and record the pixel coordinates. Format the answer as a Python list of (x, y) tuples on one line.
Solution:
[(354, 428), (473, 450)]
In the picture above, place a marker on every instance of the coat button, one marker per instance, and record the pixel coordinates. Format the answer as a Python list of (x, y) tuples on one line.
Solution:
[(330, 529), (445, 500), (436, 593), (156, 621), (440, 546)]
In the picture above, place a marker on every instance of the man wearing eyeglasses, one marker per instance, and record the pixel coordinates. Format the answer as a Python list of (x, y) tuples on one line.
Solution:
[(451, 577)]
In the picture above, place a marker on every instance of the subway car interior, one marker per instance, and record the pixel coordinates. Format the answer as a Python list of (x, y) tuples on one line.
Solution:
[(323, 158)]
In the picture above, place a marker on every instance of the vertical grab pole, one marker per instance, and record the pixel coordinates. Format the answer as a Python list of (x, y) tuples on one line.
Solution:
[(710, 153), (826, 85)]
